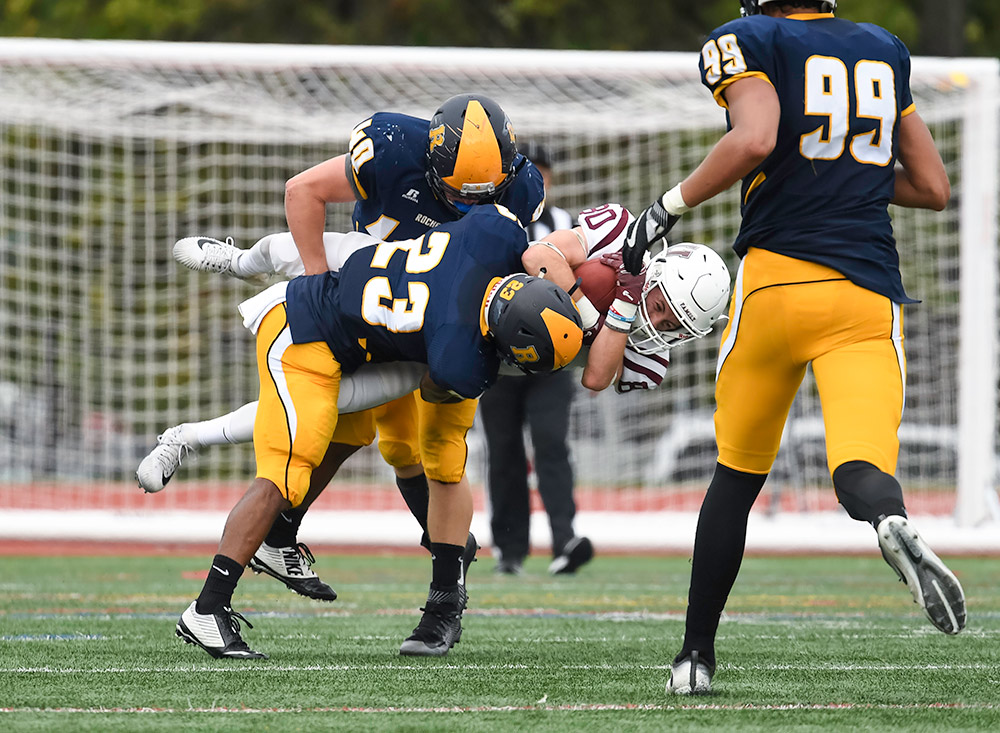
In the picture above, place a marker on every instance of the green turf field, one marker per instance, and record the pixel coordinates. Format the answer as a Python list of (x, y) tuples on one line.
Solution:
[(87, 644)]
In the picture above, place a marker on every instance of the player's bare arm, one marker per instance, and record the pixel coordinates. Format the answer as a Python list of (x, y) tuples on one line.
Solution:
[(557, 253), (604, 360), (921, 179), (306, 197), (754, 112)]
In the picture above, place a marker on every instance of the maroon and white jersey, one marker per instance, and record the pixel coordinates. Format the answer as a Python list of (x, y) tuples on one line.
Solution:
[(604, 231)]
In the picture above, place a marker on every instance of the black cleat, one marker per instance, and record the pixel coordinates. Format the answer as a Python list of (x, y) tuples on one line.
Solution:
[(577, 552), (440, 627), (293, 567), (217, 633)]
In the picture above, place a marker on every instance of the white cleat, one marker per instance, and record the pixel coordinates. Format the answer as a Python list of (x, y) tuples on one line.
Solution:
[(217, 633), (205, 254), (690, 676), (933, 586), (157, 468), (292, 566)]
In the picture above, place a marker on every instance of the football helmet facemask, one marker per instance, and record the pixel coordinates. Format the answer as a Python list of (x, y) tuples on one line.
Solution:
[(695, 283), (471, 152), (535, 325), (752, 7)]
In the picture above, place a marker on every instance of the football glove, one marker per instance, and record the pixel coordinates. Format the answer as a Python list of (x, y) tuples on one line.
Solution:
[(651, 226), (629, 287)]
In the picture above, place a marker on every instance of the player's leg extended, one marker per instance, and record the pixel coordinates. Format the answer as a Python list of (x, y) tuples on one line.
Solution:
[(363, 390), (442, 446), (502, 412), (296, 417), (861, 386), (270, 255), (176, 443), (758, 375)]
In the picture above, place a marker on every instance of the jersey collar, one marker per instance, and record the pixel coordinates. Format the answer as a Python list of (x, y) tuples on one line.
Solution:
[(809, 16)]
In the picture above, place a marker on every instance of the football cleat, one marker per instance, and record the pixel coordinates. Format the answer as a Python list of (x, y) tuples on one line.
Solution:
[(160, 464), (934, 587), (217, 633), (440, 627), (577, 552), (690, 676), (509, 566), (292, 566), (468, 557), (205, 254)]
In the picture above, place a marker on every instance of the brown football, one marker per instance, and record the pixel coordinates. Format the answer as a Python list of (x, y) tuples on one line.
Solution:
[(598, 283)]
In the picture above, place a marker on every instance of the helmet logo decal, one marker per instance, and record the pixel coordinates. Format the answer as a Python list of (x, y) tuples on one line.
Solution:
[(526, 355), (436, 137)]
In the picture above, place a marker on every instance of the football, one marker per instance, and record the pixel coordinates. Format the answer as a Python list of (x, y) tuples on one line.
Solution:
[(598, 283)]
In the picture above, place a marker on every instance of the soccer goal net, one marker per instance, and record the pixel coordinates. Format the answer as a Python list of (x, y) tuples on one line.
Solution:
[(113, 150)]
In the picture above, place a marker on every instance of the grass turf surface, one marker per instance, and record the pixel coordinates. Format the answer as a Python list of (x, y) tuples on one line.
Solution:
[(87, 644)]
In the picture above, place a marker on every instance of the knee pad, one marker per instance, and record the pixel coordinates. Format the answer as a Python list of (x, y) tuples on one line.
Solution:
[(867, 493)]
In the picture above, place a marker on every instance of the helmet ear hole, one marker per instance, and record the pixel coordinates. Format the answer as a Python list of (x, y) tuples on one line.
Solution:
[(535, 327)]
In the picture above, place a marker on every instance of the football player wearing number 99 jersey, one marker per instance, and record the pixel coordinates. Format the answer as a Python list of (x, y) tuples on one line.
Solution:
[(824, 135)]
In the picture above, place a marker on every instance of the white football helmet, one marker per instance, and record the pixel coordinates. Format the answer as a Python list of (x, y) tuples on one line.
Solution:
[(695, 283)]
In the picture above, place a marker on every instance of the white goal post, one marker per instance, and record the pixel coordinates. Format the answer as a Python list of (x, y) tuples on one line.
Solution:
[(110, 151)]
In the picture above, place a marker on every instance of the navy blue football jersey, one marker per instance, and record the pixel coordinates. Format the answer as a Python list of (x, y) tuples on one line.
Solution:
[(822, 194), (387, 163), (415, 300)]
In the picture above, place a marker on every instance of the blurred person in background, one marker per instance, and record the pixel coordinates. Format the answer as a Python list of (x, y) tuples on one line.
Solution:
[(543, 403)]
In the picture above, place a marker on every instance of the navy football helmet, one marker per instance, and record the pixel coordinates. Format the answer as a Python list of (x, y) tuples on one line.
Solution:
[(471, 152), (752, 7), (535, 324)]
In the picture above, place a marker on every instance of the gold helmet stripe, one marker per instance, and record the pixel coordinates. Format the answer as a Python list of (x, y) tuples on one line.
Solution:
[(478, 159), (566, 335)]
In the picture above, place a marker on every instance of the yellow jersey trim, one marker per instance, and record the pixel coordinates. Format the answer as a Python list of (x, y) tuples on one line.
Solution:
[(760, 178), (809, 16), (909, 110), (717, 92)]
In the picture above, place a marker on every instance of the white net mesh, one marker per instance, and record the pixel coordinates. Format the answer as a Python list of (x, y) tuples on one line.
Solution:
[(112, 151)]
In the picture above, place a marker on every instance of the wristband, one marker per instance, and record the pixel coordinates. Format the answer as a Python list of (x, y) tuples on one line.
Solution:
[(621, 316), (588, 313), (673, 202)]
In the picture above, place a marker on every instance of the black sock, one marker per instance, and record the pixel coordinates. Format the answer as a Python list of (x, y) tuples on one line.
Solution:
[(718, 553), (446, 562), (285, 530), (417, 496), (868, 494), (219, 586)]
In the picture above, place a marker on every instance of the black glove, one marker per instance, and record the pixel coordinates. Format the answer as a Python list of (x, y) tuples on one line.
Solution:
[(650, 226)]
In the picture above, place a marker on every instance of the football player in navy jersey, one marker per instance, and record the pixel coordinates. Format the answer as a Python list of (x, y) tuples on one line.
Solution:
[(446, 299), (824, 135), (406, 175)]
